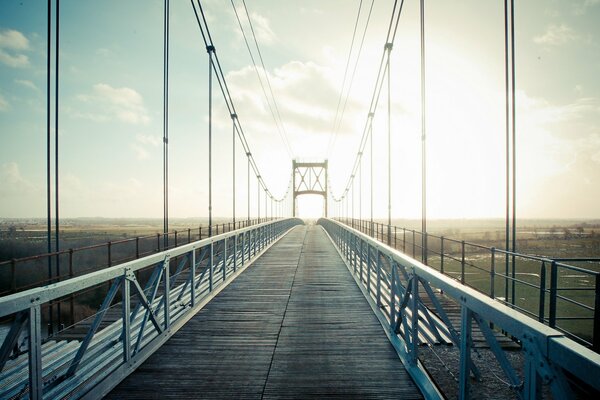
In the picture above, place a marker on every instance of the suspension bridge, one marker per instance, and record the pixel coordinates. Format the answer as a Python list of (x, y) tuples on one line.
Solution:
[(278, 307)]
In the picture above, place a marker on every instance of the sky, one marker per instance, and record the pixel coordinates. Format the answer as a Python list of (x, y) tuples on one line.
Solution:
[(111, 102)]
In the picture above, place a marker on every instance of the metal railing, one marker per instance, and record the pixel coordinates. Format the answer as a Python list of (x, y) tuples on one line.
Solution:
[(563, 296), (149, 299), (28, 272), (395, 285)]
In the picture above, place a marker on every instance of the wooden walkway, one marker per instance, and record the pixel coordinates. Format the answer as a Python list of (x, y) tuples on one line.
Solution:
[(293, 325)]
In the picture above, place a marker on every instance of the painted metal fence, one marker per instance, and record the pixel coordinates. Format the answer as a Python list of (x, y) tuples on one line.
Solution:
[(396, 285), (145, 312), (555, 291)]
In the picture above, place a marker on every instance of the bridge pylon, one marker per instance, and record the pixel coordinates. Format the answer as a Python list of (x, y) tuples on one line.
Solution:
[(309, 178)]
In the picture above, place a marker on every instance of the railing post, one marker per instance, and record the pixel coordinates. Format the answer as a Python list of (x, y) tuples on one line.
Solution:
[(414, 240), (137, 247), (361, 259), (465, 352), (109, 248), (462, 262), (36, 384), (493, 273), (243, 247), (71, 296), (395, 237), (166, 295), (13, 275), (210, 266), (442, 255), (158, 242), (193, 278), (224, 259), (175, 238), (369, 270), (126, 321), (392, 296), (596, 329), (425, 248), (414, 342), (189, 235), (553, 292), (378, 278), (235, 255), (542, 305)]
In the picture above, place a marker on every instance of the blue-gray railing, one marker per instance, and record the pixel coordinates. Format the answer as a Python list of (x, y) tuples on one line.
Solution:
[(563, 296), (394, 284), (180, 282)]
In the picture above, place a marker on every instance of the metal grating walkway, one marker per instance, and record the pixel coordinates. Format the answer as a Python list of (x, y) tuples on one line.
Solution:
[(294, 325)]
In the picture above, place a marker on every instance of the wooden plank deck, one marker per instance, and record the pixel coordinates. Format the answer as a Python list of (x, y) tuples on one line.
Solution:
[(294, 325)]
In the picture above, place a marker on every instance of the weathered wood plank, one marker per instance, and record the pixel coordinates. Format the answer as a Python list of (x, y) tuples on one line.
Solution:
[(294, 325)]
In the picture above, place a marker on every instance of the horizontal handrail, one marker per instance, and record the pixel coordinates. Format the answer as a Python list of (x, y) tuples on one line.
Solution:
[(544, 345)]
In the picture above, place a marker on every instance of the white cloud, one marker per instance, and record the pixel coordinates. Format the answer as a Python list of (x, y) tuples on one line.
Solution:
[(26, 83), (262, 28), (13, 41), (140, 152), (3, 104), (124, 104), (557, 35), (580, 8), (143, 143), (12, 182), (16, 61)]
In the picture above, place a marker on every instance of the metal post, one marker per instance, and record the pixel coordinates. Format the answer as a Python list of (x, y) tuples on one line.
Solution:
[(465, 352), (462, 262), (126, 321), (224, 259), (553, 293), (442, 255), (414, 342), (542, 305), (193, 278), (210, 266), (36, 385), (493, 273), (596, 328)]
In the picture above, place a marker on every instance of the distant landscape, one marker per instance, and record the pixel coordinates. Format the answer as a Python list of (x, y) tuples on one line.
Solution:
[(23, 237)]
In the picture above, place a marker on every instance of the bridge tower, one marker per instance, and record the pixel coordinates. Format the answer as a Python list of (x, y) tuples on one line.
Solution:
[(309, 178)]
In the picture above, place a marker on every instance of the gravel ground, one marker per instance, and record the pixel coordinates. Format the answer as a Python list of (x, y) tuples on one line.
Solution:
[(493, 384)]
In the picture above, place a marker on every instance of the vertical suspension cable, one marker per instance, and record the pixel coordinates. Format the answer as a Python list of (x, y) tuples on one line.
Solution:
[(258, 198), (233, 117), (166, 123), (371, 160), (48, 149), (423, 143), (514, 137), (388, 48), (248, 155), (507, 122), (360, 188), (210, 50), (56, 178)]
